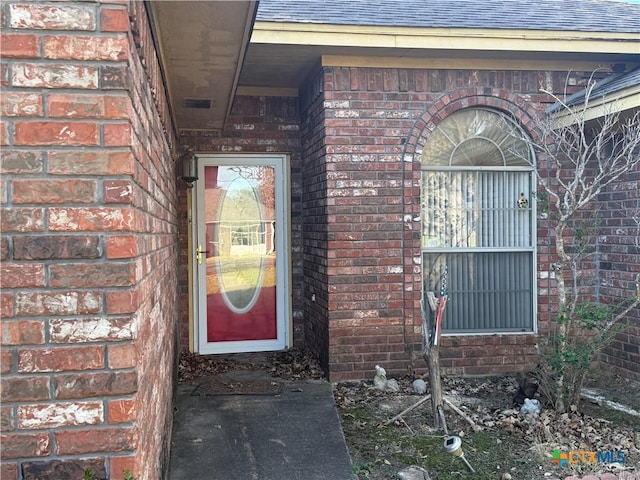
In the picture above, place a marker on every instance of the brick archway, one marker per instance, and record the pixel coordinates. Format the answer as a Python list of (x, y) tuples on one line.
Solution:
[(522, 111)]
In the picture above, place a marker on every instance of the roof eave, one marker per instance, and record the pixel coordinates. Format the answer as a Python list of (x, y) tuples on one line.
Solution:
[(445, 38), (615, 103)]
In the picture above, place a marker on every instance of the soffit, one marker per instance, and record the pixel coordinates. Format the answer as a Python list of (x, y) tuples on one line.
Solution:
[(201, 45)]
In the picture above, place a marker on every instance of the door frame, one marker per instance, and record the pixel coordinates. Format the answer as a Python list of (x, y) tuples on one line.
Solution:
[(283, 267)]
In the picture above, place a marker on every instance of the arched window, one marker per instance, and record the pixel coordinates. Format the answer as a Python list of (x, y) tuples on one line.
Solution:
[(478, 232)]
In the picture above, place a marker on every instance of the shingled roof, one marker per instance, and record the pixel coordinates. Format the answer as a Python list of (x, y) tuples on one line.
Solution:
[(565, 15), (608, 86)]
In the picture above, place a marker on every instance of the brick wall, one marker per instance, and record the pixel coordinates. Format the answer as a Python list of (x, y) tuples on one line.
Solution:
[(619, 266), (256, 125), (376, 122), (315, 206), (89, 245)]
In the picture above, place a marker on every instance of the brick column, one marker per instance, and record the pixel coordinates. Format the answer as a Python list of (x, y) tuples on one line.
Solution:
[(88, 247)]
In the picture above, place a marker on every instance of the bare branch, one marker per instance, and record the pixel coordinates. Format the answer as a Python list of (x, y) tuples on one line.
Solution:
[(583, 155)]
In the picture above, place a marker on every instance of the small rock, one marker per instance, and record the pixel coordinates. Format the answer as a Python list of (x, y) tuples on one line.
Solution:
[(530, 406), (392, 385), (419, 386), (505, 476), (413, 473)]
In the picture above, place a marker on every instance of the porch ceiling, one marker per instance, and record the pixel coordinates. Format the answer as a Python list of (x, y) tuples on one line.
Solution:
[(201, 46), (207, 58)]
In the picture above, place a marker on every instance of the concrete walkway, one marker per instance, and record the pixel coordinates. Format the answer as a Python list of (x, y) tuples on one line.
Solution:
[(294, 434)]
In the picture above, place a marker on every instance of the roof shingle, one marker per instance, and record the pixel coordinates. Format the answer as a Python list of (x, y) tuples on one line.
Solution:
[(608, 86), (566, 15)]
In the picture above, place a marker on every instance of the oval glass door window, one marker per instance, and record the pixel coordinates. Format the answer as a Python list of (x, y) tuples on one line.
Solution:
[(242, 245)]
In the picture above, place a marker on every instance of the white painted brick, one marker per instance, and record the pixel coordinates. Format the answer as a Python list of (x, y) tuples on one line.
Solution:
[(91, 330), (40, 17), (54, 76), (60, 414)]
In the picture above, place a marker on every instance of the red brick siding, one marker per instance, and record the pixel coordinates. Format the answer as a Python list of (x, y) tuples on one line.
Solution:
[(89, 247), (315, 220), (376, 122), (255, 125), (619, 265), (153, 194)]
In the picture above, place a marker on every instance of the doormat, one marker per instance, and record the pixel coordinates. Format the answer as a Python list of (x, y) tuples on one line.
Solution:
[(225, 387)]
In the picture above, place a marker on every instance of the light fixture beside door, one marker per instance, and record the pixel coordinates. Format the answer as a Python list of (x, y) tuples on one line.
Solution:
[(189, 166)]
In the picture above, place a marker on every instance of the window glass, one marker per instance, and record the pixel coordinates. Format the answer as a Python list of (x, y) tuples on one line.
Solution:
[(477, 222)]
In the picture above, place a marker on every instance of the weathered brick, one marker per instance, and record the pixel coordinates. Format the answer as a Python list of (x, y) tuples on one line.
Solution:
[(122, 355), (88, 106), (117, 134), (24, 445), (57, 303), (9, 471), (7, 421), (54, 76), (25, 389), (55, 133), (20, 161), (122, 301), (117, 191), (4, 249), (69, 468), (91, 219), (74, 442), (46, 17), (117, 107), (6, 361), (41, 360), (121, 464), (54, 191), (19, 45), (114, 20), (121, 274), (88, 385), (114, 78), (21, 275), (4, 195), (6, 305), (91, 163), (91, 330), (22, 104), (121, 411), (54, 415), (22, 220), (4, 74), (80, 47), (5, 135), (75, 106), (121, 246), (22, 332), (56, 247)]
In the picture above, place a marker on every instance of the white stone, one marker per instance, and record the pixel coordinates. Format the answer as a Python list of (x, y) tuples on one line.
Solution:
[(392, 385), (413, 473), (419, 386)]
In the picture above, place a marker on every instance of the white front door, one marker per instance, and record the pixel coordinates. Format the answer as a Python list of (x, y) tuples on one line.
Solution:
[(242, 268)]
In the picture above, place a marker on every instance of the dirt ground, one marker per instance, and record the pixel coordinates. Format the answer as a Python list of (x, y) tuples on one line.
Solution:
[(498, 442)]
